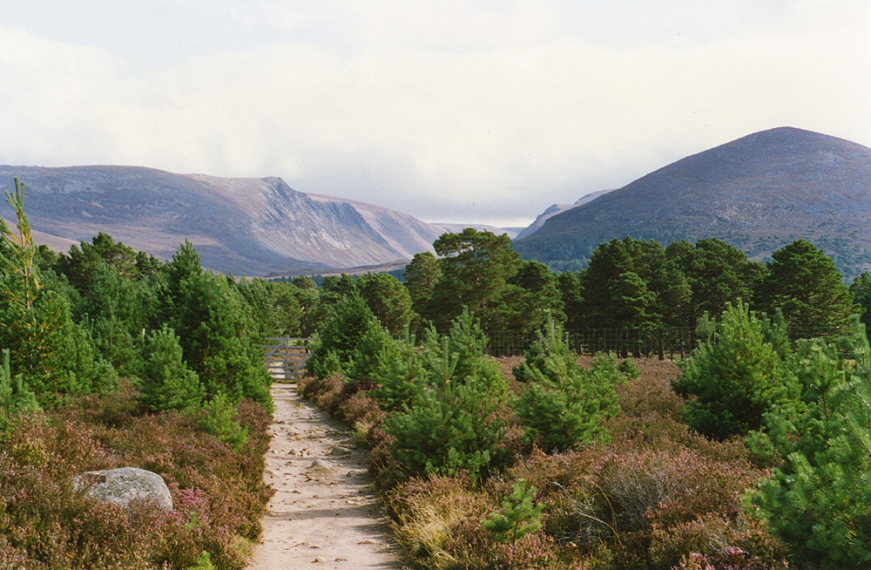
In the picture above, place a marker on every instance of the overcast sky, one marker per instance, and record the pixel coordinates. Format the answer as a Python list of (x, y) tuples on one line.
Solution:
[(450, 110)]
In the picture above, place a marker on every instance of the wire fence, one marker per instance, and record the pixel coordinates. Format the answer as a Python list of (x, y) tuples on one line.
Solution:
[(663, 342)]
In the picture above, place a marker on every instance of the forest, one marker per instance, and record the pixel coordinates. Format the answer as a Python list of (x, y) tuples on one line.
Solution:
[(494, 444)]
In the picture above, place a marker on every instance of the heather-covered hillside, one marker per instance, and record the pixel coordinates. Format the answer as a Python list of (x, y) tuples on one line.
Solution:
[(757, 193)]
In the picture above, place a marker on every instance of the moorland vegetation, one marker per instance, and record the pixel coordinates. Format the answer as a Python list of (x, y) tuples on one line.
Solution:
[(752, 453)]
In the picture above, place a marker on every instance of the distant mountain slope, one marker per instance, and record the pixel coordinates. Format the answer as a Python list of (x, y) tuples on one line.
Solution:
[(555, 209), (250, 226), (757, 193), (445, 227)]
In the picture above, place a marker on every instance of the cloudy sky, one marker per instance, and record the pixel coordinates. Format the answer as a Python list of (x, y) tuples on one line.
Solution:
[(450, 110)]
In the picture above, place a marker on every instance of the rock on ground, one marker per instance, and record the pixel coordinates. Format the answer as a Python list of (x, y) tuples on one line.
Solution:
[(125, 484)]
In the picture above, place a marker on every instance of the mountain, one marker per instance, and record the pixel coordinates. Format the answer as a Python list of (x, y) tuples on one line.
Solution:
[(249, 226), (445, 227), (555, 209), (758, 193)]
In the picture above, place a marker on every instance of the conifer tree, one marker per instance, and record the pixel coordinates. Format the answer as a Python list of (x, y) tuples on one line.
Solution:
[(804, 284), (475, 270), (861, 290), (563, 405), (166, 382), (15, 397), (422, 276), (737, 373), (54, 356), (817, 499), (517, 516), (388, 299), (455, 420)]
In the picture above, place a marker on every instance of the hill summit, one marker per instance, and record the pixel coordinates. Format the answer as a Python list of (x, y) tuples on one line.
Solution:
[(249, 226), (757, 193)]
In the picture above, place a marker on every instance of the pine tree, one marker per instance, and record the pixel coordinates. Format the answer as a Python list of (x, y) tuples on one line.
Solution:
[(804, 284), (166, 382), (54, 356), (455, 419), (818, 498), (563, 405), (15, 397), (517, 516), (388, 299), (861, 290), (736, 374), (341, 334), (475, 269)]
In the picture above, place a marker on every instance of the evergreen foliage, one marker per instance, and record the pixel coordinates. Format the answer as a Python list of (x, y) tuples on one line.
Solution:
[(81, 262), (564, 405), (349, 321), (422, 276), (389, 300), (737, 373), (166, 382), (517, 516), (861, 290), (454, 421), (219, 420), (398, 375), (804, 284), (54, 356), (475, 270), (448, 429), (219, 336), (276, 305), (15, 397), (817, 500)]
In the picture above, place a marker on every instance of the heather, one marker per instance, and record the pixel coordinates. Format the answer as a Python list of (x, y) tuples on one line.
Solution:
[(586, 448), (113, 358), (612, 460), (217, 490), (654, 493)]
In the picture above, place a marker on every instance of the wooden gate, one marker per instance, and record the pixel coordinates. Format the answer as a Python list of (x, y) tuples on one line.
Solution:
[(286, 357)]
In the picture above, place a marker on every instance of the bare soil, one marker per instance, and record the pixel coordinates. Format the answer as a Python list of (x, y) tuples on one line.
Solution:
[(324, 513)]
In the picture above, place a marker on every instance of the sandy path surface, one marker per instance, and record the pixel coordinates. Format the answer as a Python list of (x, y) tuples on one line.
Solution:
[(324, 513)]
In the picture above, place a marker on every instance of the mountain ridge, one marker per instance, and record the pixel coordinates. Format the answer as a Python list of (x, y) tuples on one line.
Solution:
[(252, 226), (757, 192)]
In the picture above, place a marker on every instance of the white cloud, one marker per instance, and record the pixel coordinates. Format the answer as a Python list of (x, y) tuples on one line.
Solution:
[(450, 110)]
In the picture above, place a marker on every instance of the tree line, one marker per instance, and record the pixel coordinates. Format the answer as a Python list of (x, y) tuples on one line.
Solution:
[(628, 284)]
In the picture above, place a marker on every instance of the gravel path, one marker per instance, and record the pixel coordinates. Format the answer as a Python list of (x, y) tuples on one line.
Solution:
[(324, 513)]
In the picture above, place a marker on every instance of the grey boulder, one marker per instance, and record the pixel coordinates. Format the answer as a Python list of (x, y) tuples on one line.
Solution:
[(125, 484)]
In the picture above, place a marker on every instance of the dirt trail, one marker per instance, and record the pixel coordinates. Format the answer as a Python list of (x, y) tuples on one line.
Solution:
[(324, 513)]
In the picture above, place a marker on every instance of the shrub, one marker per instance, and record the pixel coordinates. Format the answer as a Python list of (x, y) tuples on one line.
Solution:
[(816, 500), (564, 405), (737, 373), (428, 510), (643, 508), (516, 517), (166, 381), (218, 493), (219, 420)]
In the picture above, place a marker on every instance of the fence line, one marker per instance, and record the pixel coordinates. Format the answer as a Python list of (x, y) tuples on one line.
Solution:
[(664, 342), (661, 342)]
